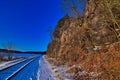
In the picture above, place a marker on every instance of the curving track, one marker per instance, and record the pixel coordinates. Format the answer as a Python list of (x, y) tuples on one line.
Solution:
[(8, 73)]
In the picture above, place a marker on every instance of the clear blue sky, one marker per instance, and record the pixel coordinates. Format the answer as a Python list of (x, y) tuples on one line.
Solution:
[(25, 22)]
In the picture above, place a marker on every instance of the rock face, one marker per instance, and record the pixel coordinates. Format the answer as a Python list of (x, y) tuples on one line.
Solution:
[(85, 40)]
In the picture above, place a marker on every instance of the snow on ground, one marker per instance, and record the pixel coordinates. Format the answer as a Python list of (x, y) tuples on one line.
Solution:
[(45, 71), (66, 76), (60, 71)]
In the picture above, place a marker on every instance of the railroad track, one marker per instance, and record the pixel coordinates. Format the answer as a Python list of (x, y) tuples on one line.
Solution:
[(8, 73), (11, 64)]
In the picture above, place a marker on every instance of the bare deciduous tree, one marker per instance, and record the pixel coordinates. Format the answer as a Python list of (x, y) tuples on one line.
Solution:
[(9, 47), (1, 56), (50, 30), (73, 7), (112, 8)]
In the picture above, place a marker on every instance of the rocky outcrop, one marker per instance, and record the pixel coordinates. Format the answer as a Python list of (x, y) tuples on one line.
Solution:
[(83, 40)]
